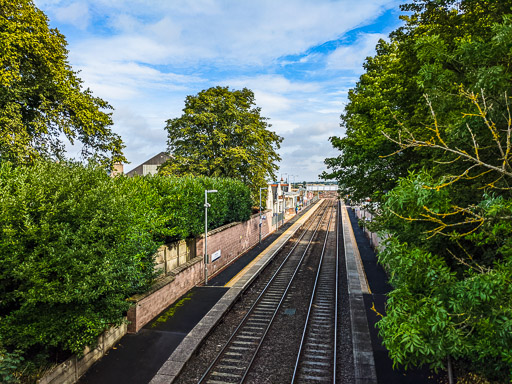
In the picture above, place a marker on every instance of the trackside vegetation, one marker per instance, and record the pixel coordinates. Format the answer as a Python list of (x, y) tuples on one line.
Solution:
[(429, 140), (76, 243)]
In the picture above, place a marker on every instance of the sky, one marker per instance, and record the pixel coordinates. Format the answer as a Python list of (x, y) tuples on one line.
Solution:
[(299, 57)]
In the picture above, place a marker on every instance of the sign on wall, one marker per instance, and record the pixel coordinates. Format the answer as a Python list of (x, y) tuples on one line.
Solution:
[(215, 255)]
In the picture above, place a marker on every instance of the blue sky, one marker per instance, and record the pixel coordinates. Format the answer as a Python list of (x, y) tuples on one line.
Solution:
[(300, 57)]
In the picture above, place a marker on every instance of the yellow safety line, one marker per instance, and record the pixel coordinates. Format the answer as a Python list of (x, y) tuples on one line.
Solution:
[(300, 221), (357, 255)]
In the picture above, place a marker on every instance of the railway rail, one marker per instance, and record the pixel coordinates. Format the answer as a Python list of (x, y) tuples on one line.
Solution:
[(235, 359), (259, 338), (316, 358)]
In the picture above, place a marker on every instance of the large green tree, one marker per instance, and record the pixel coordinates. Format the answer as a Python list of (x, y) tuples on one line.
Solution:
[(428, 136), (221, 133), (41, 97)]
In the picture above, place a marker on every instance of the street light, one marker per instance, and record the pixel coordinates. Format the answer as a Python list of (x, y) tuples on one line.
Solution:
[(284, 197), (260, 211), (293, 179), (206, 206)]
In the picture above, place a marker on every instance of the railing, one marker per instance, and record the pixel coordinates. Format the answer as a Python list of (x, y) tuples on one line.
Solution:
[(277, 218)]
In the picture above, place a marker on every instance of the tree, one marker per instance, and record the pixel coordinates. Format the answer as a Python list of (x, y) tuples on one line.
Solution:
[(428, 137), (221, 133), (41, 97), (443, 44)]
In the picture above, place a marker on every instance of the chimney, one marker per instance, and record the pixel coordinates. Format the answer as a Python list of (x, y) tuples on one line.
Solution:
[(117, 170)]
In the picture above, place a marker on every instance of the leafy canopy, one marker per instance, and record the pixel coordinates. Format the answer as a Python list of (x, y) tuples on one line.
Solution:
[(41, 97), (429, 138), (221, 133)]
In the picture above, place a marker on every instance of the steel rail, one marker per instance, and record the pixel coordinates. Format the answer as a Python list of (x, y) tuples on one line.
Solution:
[(280, 302), (338, 222), (313, 297), (261, 295)]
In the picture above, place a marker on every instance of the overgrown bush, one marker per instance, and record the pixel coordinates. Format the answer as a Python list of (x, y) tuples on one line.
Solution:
[(9, 366), (181, 204), (76, 243), (73, 245)]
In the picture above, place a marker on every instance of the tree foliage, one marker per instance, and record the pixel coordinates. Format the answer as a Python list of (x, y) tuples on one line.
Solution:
[(41, 97), (180, 205), (222, 134), (428, 137), (76, 243)]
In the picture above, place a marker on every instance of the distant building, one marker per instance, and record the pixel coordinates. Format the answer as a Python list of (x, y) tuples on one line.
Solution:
[(149, 167)]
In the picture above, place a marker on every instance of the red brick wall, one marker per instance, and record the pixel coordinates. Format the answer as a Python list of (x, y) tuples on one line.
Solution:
[(232, 240), (149, 305)]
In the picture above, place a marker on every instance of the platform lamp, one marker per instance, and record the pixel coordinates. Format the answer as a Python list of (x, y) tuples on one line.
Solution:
[(260, 210), (206, 206), (284, 197)]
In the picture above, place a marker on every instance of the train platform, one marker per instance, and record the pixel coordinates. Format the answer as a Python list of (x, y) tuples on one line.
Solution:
[(374, 299), (159, 351), (146, 356)]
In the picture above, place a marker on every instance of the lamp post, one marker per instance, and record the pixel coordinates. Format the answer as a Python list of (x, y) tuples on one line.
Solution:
[(294, 179), (284, 197), (206, 206), (260, 212)]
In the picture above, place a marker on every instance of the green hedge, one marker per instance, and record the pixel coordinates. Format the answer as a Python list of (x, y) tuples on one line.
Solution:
[(75, 243), (181, 204)]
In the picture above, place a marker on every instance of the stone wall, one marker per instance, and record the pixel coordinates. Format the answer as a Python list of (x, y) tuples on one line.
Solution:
[(171, 256), (70, 371)]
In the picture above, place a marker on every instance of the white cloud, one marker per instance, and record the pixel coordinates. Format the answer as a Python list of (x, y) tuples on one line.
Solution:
[(238, 33), (76, 14), (145, 56), (351, 57)]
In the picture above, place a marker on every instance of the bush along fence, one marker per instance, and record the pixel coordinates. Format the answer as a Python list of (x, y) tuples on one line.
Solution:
[(75, 243), (366, 216)]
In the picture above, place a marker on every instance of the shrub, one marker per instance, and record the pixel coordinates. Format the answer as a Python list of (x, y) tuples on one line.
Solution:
[(75, 244)]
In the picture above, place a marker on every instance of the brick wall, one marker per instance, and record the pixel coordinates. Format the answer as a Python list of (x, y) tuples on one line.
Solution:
[(232, 240), (163, 293)]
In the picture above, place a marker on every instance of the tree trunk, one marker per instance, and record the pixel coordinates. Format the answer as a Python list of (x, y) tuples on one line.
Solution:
[(450, 371)]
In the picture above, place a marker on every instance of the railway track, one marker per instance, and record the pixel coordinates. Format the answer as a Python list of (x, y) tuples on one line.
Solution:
[(316, 358), (234, 361)]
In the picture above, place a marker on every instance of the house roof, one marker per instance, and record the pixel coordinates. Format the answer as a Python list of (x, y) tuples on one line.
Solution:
[(158, 159)]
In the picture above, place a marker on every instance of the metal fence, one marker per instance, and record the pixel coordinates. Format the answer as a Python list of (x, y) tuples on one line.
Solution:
[(277, 219)]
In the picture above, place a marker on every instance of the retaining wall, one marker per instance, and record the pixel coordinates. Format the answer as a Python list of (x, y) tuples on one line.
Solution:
[(183, 273), (70, 371), (230, 241)]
